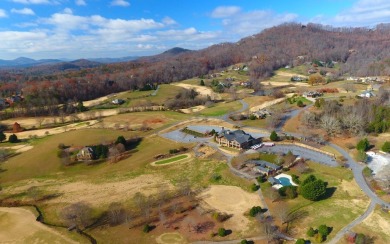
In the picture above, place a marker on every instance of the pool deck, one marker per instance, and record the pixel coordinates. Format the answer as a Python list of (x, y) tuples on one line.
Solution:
[(277, 186)]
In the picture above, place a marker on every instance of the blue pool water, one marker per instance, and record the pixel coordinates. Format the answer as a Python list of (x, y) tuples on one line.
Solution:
[(284, 181)]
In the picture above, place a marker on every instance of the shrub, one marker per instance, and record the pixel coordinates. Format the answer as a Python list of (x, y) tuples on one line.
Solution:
[(386, 147), (255, 187), (121, 140), (360, 239), (254, 211), (300, 104), (13, 139), (273, 136), (312, 188), (324, 230), (291, 192), (261, 179), (222, 232), (244, 242), (310, 232), (361, 156), (2, 136), (363, 145), (216, 177), (173, 151), (319, 238), (300, 241), (252, 117), (202, 83), (295, 179), (288, 191), (147, 228)]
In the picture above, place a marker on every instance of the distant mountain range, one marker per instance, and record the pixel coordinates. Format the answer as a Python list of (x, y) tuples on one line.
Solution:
[(24, 62)]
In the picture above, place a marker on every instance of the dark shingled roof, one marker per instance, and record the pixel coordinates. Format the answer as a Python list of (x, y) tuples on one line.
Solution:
[(265, 164), (273, 181), (238, 135)]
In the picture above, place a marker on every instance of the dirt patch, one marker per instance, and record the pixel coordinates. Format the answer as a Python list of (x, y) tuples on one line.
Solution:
[(202, 90), (269, 103), (18, 225), (206, 151), (193, 109), (20, 148), (231, 200), (53, 131), (379, 224)]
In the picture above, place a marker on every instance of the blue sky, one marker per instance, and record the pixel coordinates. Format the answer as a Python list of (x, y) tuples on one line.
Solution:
[(116, 28)]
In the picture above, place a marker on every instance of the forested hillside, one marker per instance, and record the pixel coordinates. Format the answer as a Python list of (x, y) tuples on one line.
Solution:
[(360, 52)]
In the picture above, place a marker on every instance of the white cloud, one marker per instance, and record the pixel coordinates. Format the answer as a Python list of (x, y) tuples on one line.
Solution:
[(364, 12), (81, 3), (225, 11), (121, 3), (169, 21), (24, 11), (35, 1), (3, 13), (248, 23)]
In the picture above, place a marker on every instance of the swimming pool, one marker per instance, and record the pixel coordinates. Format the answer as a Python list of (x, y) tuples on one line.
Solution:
[(284, 181)]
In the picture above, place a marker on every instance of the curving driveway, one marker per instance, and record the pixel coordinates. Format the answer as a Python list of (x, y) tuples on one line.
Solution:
[(357, 168)]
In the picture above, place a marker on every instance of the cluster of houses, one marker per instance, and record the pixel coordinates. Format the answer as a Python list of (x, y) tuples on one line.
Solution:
[(313, 94), (366, 79), (261, 114), (238, 139), (8, 101), (298, 78)]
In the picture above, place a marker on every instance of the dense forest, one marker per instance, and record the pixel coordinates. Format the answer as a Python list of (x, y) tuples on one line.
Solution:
[(360, 51)]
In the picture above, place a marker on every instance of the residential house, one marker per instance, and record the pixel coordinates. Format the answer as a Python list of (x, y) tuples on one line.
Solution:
[(236, 139), (261, 113), (273, 181), (366, 94), (85, 153), (118, 101), (312, 94), (265, 167)]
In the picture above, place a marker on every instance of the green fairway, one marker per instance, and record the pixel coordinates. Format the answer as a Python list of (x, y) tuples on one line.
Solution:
[(221, 109), (173, 159)]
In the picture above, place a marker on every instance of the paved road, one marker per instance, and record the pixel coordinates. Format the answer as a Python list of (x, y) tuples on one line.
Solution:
[(306, 153)]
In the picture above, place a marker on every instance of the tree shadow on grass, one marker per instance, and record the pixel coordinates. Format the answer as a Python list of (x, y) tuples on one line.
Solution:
[(329, 193)]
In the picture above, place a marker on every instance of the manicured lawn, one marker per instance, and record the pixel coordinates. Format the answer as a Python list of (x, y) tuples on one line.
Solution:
[(344, 203), (376, 226), (260, 123), (221, 108), (256, 100), (173, 159)]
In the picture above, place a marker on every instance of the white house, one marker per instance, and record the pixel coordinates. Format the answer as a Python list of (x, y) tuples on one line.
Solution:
[(366, 94)]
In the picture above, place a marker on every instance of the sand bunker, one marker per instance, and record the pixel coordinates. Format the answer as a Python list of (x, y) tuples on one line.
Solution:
[(170, 238), (202, 90), (231, 200)]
